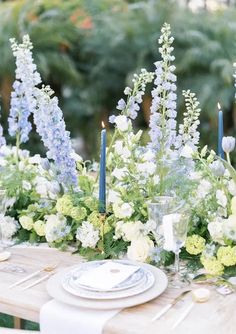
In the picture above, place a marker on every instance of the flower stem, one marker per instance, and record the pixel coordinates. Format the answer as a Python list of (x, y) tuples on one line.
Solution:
[(228, 158), (17, 148)]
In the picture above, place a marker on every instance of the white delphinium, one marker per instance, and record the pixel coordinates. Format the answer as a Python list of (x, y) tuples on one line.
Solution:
[(8, 226), (120, 173), (121, 150), (113, 196), (87, 235), (203, 189), (229, 227), (188, 133), (56, 228), (46, 188), (232, 187)]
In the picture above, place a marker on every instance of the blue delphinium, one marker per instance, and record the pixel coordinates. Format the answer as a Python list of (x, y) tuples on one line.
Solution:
[(23, 102), (50, 125), (163, 108)]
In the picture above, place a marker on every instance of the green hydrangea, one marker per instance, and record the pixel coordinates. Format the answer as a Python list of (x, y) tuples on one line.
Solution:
[(212, 265), (91, 203), (64, 205), (78, 213), (195, 244), (227, 255), (95, 218)]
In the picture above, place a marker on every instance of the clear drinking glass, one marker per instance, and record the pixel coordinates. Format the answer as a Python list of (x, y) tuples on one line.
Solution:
[(157, 209)]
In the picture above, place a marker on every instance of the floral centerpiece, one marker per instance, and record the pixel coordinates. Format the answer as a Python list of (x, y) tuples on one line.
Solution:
[(55, 198)]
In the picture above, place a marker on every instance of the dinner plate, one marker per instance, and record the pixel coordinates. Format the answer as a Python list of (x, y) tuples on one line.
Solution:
[(69, 285), (72, 276), (56, 291)]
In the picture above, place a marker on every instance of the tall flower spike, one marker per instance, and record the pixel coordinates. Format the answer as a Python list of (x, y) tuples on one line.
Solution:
[(131, 107), (188, 133), (50, 125), (163, 108), (22, 98)]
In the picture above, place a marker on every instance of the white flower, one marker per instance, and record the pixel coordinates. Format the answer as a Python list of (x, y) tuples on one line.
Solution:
[(232, 187), (39, 227), (122, 210), (8, 226), (221, 198), (26, 185), (56, 228), (120, 150), (215, 229), (148, 168), (87, 235), (229, 227), (46, 188), (217, 168), (149, 155), (36, 159), (120, 173), (203, 188), (132, 230), (26, 222), (113, 196), (195, 176), (140, 249), (122, 123), (187, 152), (228, 144)]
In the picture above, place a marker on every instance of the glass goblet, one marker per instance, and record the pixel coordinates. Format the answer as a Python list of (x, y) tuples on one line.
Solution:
[(157, 209), (175, 227)]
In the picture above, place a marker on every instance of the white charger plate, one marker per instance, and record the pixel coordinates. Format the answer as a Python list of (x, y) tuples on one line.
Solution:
[(56, 291), (71, 277)]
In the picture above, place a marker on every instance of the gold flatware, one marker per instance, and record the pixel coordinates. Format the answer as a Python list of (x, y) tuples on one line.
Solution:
[(168, 306), (46, 269), (37, 281)]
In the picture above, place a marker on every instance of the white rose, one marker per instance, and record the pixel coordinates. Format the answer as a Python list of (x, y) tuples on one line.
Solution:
[(122, 210), (140, 249), (119, 173), (39, 227), (26, 222), (122, 123), (216, 231), (132, 230), (221, 198)]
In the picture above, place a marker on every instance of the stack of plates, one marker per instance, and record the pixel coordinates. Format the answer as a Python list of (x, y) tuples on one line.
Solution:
[(145, 283), (138, 282)]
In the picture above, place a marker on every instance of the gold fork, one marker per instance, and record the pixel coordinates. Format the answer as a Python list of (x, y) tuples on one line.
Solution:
[(48, 268)]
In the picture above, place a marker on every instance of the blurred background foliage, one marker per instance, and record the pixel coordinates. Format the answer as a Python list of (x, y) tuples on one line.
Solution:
[(88, 50)]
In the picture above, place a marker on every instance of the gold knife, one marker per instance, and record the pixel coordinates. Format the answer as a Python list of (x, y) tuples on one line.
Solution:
[(168, 306)]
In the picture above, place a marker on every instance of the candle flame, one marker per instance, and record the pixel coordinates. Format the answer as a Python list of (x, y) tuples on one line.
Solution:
[(103, 125), (218, 105)]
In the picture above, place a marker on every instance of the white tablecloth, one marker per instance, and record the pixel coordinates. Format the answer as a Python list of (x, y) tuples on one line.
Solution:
[(59, 318)]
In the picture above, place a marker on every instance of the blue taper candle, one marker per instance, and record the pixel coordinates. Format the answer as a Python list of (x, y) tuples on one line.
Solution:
[(220, 132), (102, 175)]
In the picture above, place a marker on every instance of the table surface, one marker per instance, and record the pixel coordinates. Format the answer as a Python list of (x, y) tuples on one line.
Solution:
[(217, 316)]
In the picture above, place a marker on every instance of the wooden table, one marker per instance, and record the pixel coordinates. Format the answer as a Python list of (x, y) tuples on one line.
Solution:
[(217, 316)]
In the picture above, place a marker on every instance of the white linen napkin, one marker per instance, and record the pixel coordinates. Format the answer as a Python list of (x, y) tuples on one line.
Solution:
[(107, 275), (59, 318)]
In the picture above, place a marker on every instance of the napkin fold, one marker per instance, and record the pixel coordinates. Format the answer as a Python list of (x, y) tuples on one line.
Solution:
[(107, 276), (59, 318)]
